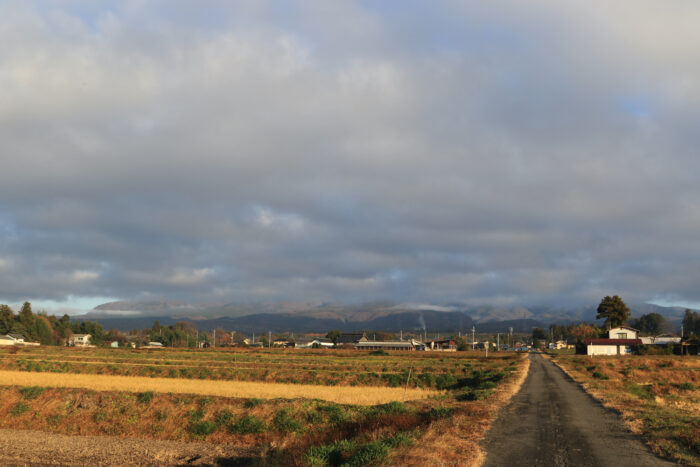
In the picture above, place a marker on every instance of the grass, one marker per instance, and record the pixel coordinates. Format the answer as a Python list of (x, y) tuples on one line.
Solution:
[(658, 397)]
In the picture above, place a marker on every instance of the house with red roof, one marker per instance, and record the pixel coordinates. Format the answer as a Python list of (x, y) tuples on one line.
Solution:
[(621, 340)]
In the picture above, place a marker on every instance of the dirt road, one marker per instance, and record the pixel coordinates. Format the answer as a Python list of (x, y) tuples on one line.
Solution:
[(35, 448), (553, 422)]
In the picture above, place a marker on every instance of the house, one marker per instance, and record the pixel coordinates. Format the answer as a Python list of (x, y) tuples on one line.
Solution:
[(282, 343), (113, 344), (444, 345), (80, 340), (153, 345), (313, 343), (561, 345), (390, 345), (350, 338), (623, 332), (661, 339), (611, 346), (12, 339), (622, 340)]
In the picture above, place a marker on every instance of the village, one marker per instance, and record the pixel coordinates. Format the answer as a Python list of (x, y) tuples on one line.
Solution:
[(620, 340)]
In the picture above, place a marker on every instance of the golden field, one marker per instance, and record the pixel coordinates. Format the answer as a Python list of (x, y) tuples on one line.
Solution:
[(340, 394)]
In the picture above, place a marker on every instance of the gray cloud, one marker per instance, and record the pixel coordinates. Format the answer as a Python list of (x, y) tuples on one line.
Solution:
[(539, 153)]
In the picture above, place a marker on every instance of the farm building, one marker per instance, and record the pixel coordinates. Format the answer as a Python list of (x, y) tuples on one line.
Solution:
[(313, 343), (662, 339), (11, 339), (445, 345), (390, 345), (153, 345), (351, 338), (80, 340)]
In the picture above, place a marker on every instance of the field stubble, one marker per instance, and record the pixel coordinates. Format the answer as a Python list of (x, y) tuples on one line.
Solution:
[(286, 424)]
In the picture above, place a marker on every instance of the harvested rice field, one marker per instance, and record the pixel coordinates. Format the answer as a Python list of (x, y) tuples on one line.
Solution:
[(280, 407), (341, 394)]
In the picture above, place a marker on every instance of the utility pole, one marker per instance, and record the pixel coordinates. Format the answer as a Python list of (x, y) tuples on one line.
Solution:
[(473, 337), (511, 336), (214, 337), (269, 339), (401, 338), (498, 341)]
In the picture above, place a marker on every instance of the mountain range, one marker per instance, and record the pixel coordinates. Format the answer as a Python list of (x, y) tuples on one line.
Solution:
[(320, 316)]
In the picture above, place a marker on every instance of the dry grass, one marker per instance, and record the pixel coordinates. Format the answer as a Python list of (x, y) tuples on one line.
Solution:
[(456, 440), (339, 394)]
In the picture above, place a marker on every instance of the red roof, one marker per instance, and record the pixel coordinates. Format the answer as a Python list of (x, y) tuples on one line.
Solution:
[(614, 341)]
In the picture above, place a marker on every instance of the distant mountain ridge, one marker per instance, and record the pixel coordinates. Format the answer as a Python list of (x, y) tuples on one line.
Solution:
[(322, 316)]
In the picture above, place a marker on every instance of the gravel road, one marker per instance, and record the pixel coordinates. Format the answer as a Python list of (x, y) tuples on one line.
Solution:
[(36, 448), (553, 422)]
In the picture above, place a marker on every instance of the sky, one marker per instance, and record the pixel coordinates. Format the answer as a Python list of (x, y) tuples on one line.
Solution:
[(505, 153)]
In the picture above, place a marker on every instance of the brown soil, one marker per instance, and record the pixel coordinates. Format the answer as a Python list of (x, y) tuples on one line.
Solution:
[(36, 448)]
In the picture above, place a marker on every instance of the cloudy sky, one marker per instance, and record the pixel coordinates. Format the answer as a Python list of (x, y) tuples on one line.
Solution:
[(510, 152)]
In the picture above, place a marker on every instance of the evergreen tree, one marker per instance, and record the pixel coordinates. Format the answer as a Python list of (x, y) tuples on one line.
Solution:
[(614, 310)]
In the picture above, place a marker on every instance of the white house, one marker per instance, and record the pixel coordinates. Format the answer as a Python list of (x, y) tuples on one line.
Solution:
[(623, 332), (80, 340), (621, 341), (11, 339), (317, 342), (662, 339)]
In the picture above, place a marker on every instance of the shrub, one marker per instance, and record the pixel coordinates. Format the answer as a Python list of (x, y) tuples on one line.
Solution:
[(445, 381), (599, 375), (641, 391), (687, 386), (392, 379), (246, 425), (145, 397), (285, 422), (223, 417), (202, 429), (399, 439), (19, 408), (336, 414), (391, 408), (379, 352), (440, 412), (31, 392), (99, 415), (369, 454), (196, 415), (331, 454), (470, 394), (250, 403), (427, 379)]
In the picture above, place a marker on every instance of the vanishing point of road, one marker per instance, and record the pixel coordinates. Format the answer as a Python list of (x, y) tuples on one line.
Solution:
[(551, 421)]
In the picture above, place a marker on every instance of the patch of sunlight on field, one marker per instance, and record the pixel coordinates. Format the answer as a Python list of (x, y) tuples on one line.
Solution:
[(340, 394)]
